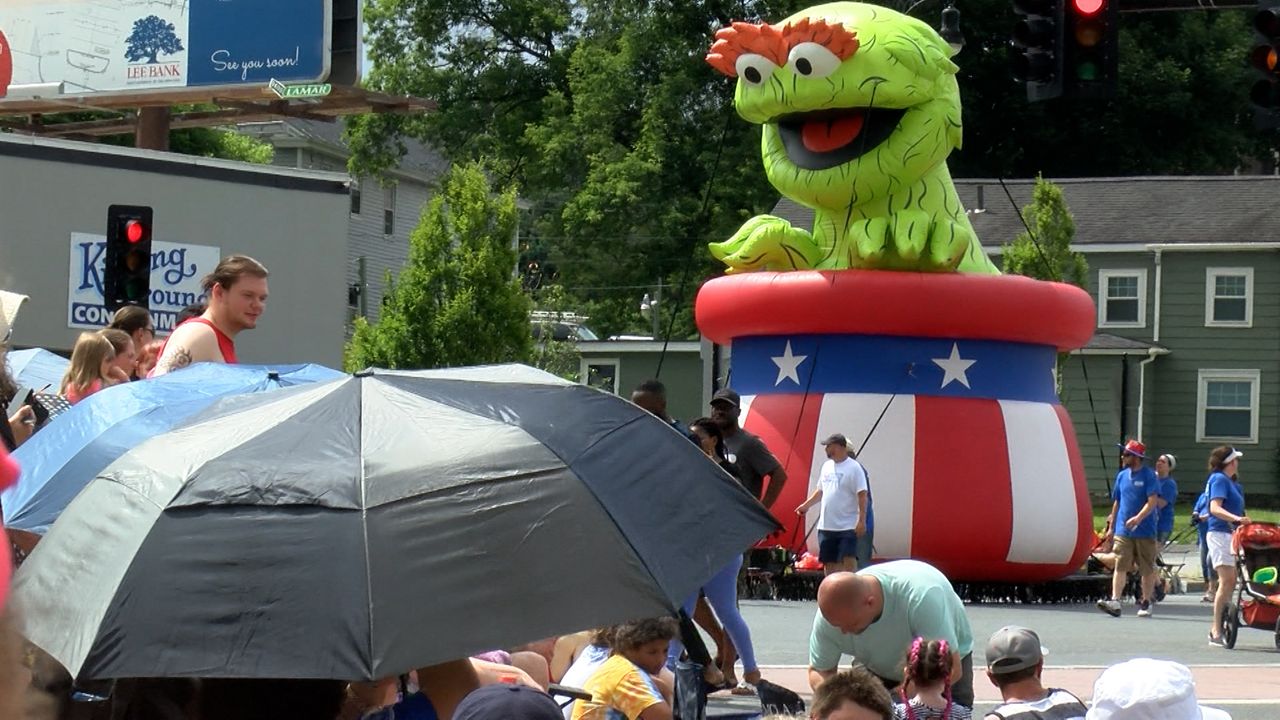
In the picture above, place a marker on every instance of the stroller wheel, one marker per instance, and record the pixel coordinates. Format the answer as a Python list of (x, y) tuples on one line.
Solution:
[(1230, 625)]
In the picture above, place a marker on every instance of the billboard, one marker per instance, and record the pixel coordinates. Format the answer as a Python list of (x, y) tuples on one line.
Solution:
[(176, 272), (93, 46)]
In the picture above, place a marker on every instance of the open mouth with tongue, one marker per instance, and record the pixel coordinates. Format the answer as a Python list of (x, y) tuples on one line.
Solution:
[(827, 138)]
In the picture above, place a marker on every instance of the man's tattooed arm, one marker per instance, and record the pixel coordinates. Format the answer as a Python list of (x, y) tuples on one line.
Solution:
[(177, 359)]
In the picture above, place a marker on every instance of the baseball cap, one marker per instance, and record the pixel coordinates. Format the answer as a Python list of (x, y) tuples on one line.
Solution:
[(1147, 689), (1133, 447), (10, 302), (502, 702), (726, 395), (836, 439), (1013, 648)]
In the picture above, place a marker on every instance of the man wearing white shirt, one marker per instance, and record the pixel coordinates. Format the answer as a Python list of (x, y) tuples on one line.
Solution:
[(842, 490)]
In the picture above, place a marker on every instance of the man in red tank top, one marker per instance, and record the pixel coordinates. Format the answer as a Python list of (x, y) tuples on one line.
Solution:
[(237, 296)]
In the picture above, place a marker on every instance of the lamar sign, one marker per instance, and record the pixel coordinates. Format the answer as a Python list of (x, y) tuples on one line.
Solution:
[(308, 90)]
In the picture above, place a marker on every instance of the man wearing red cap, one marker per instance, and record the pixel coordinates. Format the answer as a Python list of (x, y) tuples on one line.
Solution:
[(1135, 497)]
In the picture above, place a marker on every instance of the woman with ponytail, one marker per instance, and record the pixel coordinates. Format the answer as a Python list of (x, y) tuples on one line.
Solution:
[(926, 684)]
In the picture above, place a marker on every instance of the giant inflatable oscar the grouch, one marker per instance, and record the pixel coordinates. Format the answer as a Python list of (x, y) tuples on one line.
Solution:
[(885, 320)]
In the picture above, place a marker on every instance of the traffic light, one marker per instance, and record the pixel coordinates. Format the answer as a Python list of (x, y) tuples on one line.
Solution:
[(1090, 55), (1037, 47), (127, 277), (1265, 58)]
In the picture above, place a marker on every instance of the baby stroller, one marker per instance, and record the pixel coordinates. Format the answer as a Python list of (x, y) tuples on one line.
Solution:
[(1257, 604)]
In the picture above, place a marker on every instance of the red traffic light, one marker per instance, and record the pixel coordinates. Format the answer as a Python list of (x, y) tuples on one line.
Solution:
[(1264, 58), (1087, 7), (133, 231)]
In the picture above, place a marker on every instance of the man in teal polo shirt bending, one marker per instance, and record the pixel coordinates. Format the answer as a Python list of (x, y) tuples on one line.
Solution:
[(875, 614)]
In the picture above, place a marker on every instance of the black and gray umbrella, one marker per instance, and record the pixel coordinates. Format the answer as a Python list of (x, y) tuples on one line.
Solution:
[(359, 528)]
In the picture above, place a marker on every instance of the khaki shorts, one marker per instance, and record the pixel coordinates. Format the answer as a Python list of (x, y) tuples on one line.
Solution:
[(1135, 552)]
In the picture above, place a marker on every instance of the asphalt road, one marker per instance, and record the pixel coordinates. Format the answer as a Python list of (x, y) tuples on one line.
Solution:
[(1081, 639)]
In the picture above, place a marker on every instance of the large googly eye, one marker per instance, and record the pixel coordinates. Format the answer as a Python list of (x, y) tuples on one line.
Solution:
[(754, 69), (809, 59)]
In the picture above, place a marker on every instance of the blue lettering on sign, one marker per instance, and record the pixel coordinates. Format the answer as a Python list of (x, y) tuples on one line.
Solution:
[(90, 314), (176, 262), (84, 314), (90, 261), (236, 41), (165, 321)]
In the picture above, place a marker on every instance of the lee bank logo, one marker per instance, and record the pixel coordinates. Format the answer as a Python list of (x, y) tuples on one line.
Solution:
[(152, 36)]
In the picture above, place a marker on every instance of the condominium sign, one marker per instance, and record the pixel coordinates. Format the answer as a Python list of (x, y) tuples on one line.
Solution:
[(176, 272)]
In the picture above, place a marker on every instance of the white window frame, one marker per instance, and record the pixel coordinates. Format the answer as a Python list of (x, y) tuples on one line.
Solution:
[(1210, 287), (1202, 391), (389, 192), (1103, 277), (585, 364)]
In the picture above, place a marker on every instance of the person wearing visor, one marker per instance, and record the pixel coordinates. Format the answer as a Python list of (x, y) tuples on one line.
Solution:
[(1226, 513)]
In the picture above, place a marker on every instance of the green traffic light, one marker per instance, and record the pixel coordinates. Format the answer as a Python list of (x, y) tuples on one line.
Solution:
[(1087, 71), (135, 290)]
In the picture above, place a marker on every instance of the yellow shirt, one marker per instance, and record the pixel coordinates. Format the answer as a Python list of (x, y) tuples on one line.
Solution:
[(619, 691)]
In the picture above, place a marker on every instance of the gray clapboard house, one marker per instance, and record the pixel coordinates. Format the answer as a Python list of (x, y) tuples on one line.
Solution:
[(384, 210), (1185, 272)]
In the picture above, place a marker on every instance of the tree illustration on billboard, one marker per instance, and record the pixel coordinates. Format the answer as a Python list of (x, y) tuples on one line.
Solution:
[(151, 36)]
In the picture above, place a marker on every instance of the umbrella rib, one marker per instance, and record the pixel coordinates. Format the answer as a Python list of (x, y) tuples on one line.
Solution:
[(364, 522)]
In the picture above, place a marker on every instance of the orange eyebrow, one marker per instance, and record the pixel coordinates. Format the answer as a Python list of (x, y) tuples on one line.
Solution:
[(742, 38), (833, 36)]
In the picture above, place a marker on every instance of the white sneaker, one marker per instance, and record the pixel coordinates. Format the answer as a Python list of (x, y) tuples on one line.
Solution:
[(1144, 609), (1110, 607)]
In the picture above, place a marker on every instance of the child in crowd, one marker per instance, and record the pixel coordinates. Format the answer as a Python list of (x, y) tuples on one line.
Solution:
[(928, 673), (147, 358), (90, 368), (625, 684), (126, 360), (852, 695)]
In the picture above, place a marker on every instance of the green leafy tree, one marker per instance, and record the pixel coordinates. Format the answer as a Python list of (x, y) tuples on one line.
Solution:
[(224, 144), (606, 118), (457, 301), (1182, 106), (1045, 253), (202, 141), (558, 357)]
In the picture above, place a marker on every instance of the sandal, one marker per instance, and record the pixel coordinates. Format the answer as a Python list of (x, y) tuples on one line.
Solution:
[(743, 688)]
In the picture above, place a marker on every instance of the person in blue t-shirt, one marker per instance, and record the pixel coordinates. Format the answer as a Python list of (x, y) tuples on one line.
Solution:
[(1168, 497), (1132, 522), (1226, 512)]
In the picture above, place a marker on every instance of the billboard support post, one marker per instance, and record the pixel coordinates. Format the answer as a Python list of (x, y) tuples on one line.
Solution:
[(152, 132)]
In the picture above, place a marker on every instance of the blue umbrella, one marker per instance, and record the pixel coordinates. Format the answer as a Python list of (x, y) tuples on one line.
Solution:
[(36, 368), (67, 454)]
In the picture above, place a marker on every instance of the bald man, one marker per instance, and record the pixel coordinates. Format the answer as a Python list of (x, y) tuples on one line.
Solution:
[(873, 615)]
